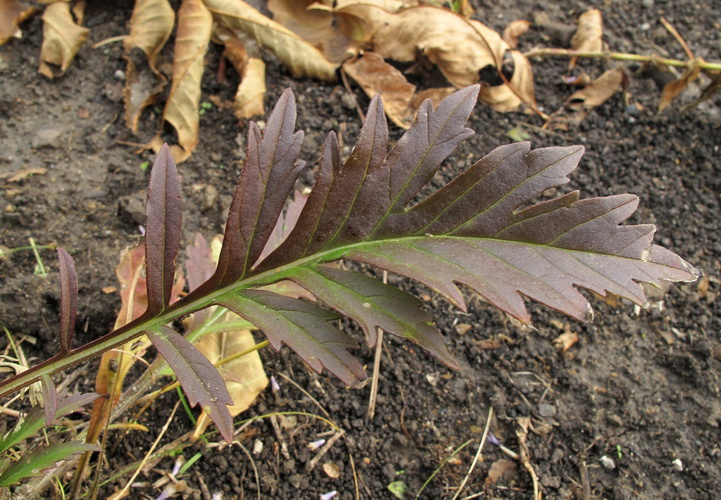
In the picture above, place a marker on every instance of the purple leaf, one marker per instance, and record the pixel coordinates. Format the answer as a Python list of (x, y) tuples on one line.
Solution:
[(271, 168), (68, 300), (198, 377), (50, 398), (375, 305), (163, 222), (303, 327)]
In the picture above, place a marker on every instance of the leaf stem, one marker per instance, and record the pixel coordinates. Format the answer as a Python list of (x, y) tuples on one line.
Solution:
[(624, 56)]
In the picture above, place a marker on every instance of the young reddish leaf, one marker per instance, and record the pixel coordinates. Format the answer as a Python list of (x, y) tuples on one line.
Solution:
[(198, 377), (162, 229), (50, 398), (301, 326), (375, 305), (271, 168), (68, 300)]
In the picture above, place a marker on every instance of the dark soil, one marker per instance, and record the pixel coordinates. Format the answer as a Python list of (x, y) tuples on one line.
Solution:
[(639, 388)]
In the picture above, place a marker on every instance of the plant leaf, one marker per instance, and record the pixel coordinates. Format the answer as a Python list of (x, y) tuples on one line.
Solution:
[(163, 230), (588, 36), (375, 305), (271, 168), (300, 57), (34, 420), (150, 27), (33, 463), (198, 377), (68, 300), (12, 13), (181, 110), (62, 39), (301, 326), (479, 230), (50, 398), (244, 376)]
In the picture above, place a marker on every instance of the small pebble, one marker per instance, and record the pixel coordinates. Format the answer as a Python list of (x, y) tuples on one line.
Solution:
[(119, 75), (607, 463), (678, 465)]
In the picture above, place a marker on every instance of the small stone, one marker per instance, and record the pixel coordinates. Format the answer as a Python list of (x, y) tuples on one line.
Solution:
[(216, 157), (615, 420), (210, 198), (607, 463), (551, 482), (678, 465), (119, 75), (546, 410), (647, 4), (48, 136), (349, 101)]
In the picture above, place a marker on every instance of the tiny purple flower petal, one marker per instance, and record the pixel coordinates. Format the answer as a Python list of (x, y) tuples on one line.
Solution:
[(492, 439), (274, 384), (217, 496), (316, 444), (176, 467), (329, 495), (142, 230)]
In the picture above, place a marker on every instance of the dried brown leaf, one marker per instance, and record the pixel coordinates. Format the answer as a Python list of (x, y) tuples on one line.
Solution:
[(248, 100), (150, 27), (673, 89), (299, 56), (514, 31), (376, 76), (321, 28), (565, 341), (12, 13), (502, 98), (583, 101), (435, 32), (181, 110), (62, 39), (500, 469), (588, 37)]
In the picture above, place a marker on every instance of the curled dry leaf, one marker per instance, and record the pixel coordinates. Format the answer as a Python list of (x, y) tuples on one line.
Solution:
[(322, 28), (673, 89), (299, 56), (12, 13), (376, 76), (583, 101), (437, 34), (181, 109), (248, 100), (502, 98), (150, 27), (588, 35), (62, 39), (514, 31)]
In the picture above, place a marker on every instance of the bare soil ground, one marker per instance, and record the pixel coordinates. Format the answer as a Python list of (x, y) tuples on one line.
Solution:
[(640, 387)]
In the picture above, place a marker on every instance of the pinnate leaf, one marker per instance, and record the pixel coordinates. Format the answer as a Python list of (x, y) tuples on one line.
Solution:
[(198, 377), (481, 230)]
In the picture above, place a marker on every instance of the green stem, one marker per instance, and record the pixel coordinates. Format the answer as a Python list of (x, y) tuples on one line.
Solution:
[(623, 56)]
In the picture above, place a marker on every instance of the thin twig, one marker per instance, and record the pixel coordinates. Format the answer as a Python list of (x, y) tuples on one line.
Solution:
[(478, 453), (122, 492), (326, 447), (376, 366), (623, 56), (678, 37), (279, 437)]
